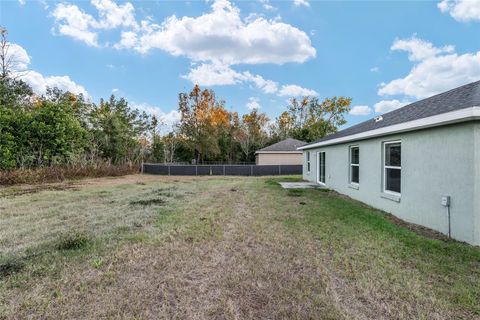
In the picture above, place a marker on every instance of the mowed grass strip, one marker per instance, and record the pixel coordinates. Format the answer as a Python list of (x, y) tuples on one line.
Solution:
[(386, 264), (227, 248)]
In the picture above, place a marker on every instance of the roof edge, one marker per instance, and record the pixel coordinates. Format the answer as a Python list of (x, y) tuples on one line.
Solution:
[(291, 151), (462, 115)]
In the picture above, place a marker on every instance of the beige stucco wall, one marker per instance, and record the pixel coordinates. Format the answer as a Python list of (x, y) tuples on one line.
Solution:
[(279, 158)]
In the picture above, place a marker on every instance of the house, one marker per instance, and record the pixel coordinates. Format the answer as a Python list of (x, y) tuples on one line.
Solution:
[(420, 162), (283, 152)]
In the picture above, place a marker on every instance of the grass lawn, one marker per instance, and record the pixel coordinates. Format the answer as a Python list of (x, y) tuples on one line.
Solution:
[(148, 247)]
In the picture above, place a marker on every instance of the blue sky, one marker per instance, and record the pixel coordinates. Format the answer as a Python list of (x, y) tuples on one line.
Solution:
[(254, 54)]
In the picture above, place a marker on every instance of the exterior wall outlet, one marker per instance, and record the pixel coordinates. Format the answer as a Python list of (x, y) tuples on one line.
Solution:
[(446, 201)]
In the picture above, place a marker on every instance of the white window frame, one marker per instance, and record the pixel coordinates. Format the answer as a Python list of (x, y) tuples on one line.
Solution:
[(351, 165), (308, 162), (385, 167), (324, 167)]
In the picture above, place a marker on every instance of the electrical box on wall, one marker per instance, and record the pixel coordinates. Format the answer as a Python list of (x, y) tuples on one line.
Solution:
[(446, 201)]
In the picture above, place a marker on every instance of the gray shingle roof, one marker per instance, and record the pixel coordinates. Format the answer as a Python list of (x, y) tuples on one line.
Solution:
[(459, 98), (285, 145)]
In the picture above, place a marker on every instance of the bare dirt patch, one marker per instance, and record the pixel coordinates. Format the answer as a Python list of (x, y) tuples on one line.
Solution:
[(29, 189)]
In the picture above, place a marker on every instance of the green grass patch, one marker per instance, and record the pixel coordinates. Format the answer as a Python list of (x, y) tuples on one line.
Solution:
[(379, 246), (295, 192), (73, 241)]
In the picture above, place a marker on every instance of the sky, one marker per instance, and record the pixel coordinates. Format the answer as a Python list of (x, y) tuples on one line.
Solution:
[(253, 54)]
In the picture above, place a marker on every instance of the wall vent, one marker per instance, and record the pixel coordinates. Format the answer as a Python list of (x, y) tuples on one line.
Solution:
[(378, 118)]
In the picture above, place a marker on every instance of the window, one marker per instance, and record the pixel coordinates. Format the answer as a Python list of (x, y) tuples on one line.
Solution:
[(355, 165), (308, 161), (321, 167), (392, 174)]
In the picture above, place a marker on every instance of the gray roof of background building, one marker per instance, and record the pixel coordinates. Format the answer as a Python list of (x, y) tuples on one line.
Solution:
[(466, 96), (285, 145)]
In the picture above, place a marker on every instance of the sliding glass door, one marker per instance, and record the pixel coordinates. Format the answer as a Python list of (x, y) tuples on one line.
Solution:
[(321, 167)]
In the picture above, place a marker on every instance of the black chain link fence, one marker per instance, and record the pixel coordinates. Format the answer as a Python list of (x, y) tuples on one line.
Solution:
[(221, 170)]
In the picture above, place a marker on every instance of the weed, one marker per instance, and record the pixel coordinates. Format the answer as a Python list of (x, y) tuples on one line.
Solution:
[(295, 192), (11, 267), (272, 182), (148, 202), (97, 262), (73, 241)]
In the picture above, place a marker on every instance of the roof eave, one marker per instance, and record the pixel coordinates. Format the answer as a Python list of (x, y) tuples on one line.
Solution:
[(462, 115), (291, 151)]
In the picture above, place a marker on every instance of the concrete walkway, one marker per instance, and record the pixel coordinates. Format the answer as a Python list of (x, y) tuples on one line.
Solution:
[(300, 185)]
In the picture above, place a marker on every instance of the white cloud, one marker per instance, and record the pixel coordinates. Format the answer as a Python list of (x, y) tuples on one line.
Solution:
[(461, 10), (71, 21), (169, 118), (360, 110), (210, 74), (375, 69), (266, 5), (217, 39), (223, 36), (298, 3), (385, 106), (20, 60), (267, 86), (253, 103), (435, 70), (128, 39), (419, 49), (115, 90), (22, 2), (113, 16), (17, 57), (39, 83), (292, 90)]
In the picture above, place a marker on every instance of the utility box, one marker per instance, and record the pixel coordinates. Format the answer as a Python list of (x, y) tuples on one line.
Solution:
[(446, 201)]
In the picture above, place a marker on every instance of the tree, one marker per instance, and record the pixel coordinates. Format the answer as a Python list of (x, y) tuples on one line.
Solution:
[(313, 119), (283, 126), (252, 134), (117, 129), (14, 93), (7, 60), (51, 135), (7, 139), (158, 147), (203, 119)]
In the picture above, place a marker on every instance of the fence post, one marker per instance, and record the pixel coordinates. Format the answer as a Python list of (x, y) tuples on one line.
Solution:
[(279, 169), (196, 170), (251, 170), (169, 170), (223, 170)]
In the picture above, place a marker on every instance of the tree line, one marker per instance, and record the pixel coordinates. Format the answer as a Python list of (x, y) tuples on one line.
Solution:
[(62, 128)]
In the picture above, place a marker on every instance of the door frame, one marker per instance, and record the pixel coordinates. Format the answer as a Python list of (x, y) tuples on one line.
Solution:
[(324, 168)]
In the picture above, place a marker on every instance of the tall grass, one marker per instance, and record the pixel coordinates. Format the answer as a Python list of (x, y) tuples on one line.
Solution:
[(60, 173)]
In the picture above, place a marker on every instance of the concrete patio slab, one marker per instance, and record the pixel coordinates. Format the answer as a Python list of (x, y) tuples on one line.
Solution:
[(300, 185)]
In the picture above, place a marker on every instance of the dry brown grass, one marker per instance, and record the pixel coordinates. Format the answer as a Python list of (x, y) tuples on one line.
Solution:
[(217, 248), (62, 173)]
